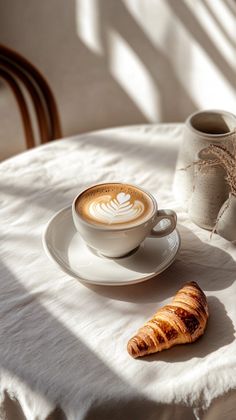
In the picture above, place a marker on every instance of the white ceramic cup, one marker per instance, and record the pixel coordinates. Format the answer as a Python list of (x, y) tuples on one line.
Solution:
[(115, 242)]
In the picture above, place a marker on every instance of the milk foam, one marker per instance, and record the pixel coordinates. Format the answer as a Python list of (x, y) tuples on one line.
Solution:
[(115, 210), (114, 204)]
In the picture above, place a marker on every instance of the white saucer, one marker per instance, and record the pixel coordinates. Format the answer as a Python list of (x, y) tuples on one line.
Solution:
[(64, 245)]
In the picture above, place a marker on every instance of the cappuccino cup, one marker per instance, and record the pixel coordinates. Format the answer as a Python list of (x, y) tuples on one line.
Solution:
[(114, 218)]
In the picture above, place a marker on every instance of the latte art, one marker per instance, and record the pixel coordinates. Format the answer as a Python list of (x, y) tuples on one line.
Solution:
[(115, 205), (115, 210)]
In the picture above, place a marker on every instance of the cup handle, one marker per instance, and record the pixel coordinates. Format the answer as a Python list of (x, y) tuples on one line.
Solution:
[(164, 214)]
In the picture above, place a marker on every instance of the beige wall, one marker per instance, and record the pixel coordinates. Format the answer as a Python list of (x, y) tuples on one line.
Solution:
[(114, 62)]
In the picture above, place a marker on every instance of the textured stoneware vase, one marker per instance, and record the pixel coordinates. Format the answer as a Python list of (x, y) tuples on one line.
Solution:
[(209, 193), (226, 226), (201, 129)]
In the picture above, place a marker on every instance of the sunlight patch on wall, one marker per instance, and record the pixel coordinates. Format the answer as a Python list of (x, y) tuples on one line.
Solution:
[(191, 46), (168, 37), (208, 87), (192, 62), (128, 70), (205, 17), (224, 16), (88, 24), (147, 14)]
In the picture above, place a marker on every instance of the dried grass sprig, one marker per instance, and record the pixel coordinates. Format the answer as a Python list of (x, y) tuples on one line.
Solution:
[(224, 158)]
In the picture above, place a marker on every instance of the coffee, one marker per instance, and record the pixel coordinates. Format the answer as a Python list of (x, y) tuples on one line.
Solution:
[(114, 204)]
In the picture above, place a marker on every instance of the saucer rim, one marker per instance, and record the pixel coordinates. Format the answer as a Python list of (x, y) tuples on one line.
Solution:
[(72, 274)]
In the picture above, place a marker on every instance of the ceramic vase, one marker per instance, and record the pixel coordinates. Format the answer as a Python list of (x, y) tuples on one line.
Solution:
[(201, 129), (210, 191), (226, 226)]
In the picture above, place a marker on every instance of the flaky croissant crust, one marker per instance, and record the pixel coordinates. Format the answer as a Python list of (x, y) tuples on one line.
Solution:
[(183, 321)]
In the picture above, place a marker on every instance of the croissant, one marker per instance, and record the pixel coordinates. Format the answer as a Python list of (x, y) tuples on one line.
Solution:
[(183, 321)]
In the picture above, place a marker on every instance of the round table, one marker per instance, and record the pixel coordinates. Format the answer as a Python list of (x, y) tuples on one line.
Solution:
[(63, 344)]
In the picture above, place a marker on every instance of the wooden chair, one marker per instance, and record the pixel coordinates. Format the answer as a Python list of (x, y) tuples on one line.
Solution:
[(26, 81)]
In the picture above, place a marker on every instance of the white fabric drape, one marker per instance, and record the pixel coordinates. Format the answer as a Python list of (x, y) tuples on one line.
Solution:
[(62, 344)]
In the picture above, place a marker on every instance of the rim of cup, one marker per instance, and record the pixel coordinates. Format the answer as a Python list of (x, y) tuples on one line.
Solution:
[(223, 113), (112, 227)]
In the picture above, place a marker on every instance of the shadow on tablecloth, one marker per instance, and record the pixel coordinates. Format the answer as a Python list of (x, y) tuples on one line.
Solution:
[(211, 267), (46, 368)]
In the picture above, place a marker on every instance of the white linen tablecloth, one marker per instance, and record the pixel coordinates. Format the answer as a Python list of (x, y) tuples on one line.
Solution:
[(62, 344)]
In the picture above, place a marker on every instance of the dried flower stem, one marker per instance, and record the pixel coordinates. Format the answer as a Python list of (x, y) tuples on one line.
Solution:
[(224, 158)]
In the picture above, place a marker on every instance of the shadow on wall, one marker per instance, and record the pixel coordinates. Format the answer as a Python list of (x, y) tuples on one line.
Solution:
[(116, 63), (143, 71), (194, 27), (121, 40)]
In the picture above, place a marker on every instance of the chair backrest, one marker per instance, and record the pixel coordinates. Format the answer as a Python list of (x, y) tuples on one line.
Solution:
[(25, 80)]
